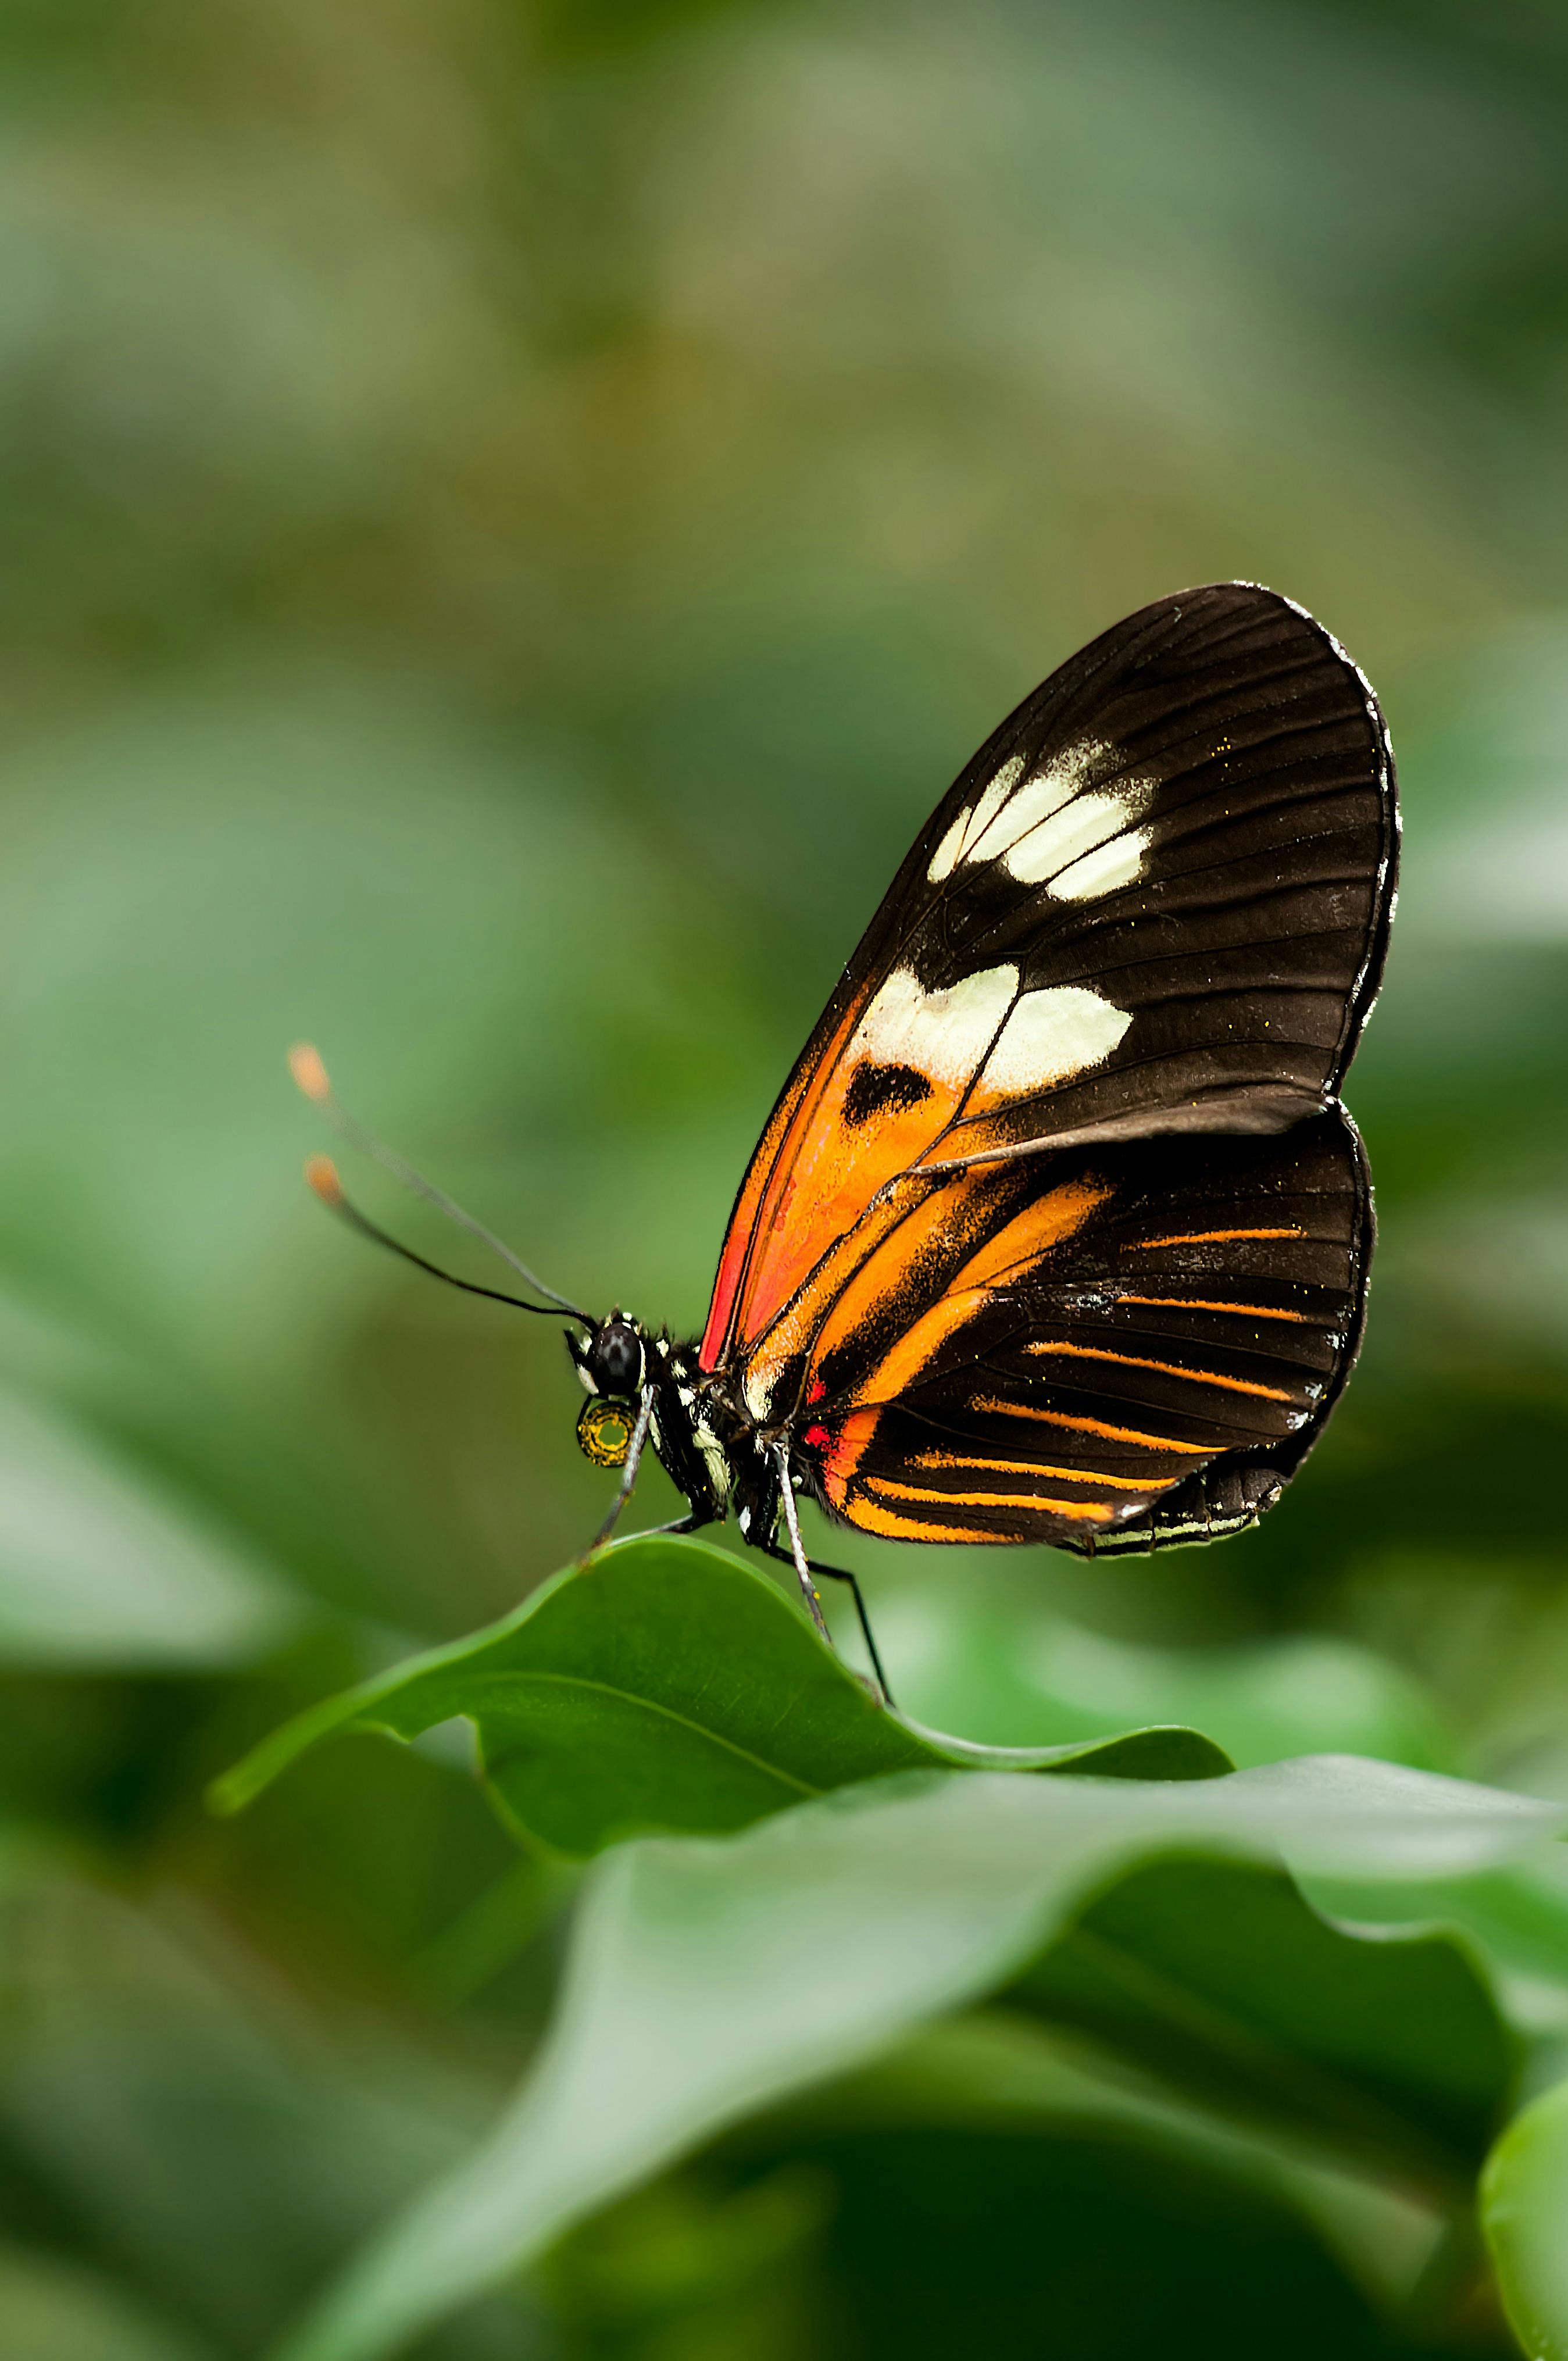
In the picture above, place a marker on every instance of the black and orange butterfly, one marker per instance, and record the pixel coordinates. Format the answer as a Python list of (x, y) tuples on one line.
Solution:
[(1060, 1230)]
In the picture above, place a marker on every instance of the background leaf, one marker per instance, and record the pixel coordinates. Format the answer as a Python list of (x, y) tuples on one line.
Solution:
[(1217, 1977), (1524, 2206), (711, 1978), (1000, 1667)]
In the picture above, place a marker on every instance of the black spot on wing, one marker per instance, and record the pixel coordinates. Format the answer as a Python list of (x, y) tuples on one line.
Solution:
[(884, 1089)]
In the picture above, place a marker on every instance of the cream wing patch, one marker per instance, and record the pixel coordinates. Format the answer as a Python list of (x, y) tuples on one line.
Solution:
[(944, 1035), (1050, 1036), (1032, 802), (1055, 828), (974, 821), (1089, 825), (1118, 862)]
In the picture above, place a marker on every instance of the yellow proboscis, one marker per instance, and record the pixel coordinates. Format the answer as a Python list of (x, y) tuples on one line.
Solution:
[(604, 1432)]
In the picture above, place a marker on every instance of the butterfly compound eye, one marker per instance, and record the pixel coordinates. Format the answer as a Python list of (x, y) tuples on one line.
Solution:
[(615, 1358)]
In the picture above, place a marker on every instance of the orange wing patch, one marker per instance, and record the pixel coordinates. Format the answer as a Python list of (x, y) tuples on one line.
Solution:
[(907, 1078), (887, 1083), (1012, 1250), (946, 1243)]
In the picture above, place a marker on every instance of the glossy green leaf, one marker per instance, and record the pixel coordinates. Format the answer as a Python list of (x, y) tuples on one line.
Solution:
[(1220, 1979), (1516, 1918), (709, 1979), (1524, 2210), (667, 1686)]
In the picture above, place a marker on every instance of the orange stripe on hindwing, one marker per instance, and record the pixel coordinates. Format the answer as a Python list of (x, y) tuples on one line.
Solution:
[(1094, 1512), (1032, 1468), (873, 1517), (1194, 1303), (1208, 1238), (990, 1403), (848, 1449), (1165, 1368)]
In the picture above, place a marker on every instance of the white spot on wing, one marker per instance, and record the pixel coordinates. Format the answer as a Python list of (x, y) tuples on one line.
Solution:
[(947, 852), (996, 795), (1086, 824), (1044, 830), (1052, 1035), (1036, 800), (1113, 863), (944, 1035), (975, 820)]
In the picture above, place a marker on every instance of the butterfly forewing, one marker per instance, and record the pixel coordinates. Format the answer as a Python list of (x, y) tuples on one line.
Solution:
[(1123, 967)]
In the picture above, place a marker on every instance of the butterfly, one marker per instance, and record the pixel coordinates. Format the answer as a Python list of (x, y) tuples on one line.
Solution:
[(1058, 1231)]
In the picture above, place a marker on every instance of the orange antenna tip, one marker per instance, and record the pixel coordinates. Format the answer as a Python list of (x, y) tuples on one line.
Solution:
[(321, 1174), (305, 1065)]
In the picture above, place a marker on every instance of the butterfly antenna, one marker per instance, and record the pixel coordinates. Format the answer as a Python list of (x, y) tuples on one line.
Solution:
[(321, 1174), (305, 1065)]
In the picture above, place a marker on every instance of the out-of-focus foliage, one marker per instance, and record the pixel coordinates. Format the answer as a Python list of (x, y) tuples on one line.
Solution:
[(694, 1993), (512, 513)]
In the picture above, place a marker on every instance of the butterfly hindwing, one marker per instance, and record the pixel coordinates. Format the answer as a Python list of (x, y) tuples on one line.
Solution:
[(1154, 904), (1127, 1345)]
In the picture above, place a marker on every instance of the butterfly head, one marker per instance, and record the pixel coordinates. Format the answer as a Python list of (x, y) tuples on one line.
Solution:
[(611, 1359), (612, 1362)]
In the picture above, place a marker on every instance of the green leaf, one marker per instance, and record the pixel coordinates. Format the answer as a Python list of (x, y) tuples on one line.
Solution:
[(667, 1686), (1516, 1918), (1524, 2211), (1220, 1979), (707, 1980)]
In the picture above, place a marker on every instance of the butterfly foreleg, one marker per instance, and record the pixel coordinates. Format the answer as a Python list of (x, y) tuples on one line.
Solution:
[(807, 1568), (795, 1554), (634, 1451)]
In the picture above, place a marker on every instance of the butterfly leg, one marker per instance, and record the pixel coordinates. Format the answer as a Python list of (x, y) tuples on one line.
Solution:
[(806, 1567), (690, 1523), (795, 1554), (629, 1473)]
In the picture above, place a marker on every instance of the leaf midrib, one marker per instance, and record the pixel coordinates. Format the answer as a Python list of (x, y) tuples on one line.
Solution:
[(647, 1705)]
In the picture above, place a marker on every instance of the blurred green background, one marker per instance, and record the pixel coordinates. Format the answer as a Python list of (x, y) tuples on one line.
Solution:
[(511, 516)]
